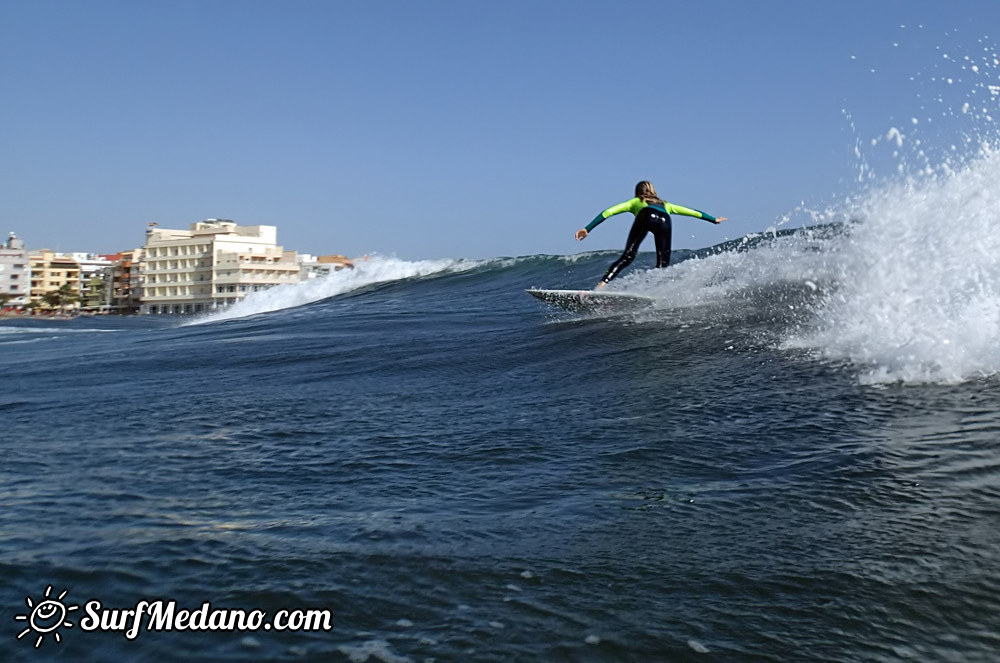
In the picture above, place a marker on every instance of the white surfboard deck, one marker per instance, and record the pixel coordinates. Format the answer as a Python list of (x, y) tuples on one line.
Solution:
[(593, 301)]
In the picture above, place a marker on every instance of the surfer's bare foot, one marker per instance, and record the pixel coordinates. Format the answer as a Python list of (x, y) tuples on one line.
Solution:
[(601, 285)]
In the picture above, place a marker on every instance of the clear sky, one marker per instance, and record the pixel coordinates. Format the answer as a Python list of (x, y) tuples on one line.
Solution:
[(433, 129)]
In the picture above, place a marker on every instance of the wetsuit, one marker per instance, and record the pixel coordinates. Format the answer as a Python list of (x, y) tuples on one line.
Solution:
[(649, 218)]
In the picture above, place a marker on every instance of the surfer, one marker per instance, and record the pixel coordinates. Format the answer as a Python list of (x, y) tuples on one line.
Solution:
[(652, 215)]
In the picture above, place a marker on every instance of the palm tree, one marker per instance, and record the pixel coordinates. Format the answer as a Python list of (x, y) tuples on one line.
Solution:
[(58, 299)]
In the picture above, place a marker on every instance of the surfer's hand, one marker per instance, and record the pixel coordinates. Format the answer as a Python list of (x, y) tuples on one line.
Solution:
[(581, 233), (719, 220)]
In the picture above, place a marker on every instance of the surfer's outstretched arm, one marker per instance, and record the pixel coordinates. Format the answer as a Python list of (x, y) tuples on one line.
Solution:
[(689, 211), (633, 205)]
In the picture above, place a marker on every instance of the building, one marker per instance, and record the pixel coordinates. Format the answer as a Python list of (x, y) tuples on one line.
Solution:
[(95, 281), (313, 267), (211, 266), (54, 273), (126, 281), (15, 273)]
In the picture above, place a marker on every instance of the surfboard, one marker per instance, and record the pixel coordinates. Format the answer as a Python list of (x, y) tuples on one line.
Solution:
[(593, 301)]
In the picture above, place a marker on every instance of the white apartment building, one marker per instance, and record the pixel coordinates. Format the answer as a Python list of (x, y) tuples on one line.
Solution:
[(15, 272), (91, 264), (95, 280), (313, 267), (212, 265)]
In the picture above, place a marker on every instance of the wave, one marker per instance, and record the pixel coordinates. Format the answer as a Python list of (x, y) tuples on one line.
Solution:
[(918, 296), (366, 273), (902, 283), (747, 269), (380, 271)]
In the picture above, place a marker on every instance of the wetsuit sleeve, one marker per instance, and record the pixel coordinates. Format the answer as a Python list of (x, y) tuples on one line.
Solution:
[(627, 206), (687, 211)]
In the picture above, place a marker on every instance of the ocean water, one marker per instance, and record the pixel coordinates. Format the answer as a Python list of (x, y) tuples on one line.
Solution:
[(793, 456)]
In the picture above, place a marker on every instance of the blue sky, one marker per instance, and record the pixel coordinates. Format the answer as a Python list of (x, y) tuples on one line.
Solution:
[(449, 129)]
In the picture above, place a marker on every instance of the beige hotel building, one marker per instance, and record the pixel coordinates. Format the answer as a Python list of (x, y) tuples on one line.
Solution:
[(212, 265)]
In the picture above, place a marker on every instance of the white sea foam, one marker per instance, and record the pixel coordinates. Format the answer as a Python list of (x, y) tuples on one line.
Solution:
[(761, 261), (907, 291), (918, 298), (365, 273), (377, 650), (918, 294), (910, 292)]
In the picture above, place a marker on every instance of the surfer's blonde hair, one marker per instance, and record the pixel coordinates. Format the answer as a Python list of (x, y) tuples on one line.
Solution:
[(645, 192)]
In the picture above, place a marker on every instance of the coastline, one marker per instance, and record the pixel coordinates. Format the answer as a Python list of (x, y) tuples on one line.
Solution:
[(39, 316)]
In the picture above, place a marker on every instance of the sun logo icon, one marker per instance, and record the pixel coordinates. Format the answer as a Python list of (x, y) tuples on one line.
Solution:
[(46, 616)]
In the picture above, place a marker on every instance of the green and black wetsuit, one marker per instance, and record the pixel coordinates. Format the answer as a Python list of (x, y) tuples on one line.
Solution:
[(652, 217)]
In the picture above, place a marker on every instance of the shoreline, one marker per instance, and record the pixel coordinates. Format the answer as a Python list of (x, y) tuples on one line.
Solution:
[(38, 316)]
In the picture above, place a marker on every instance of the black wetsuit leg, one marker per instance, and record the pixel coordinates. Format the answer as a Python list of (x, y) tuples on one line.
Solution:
[(660, 226), (648, 220)]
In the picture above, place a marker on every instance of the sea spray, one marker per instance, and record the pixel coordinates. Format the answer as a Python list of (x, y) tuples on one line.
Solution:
[(918, 298), (365, 273), (918, 290), (748, 271), (901, 279)]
